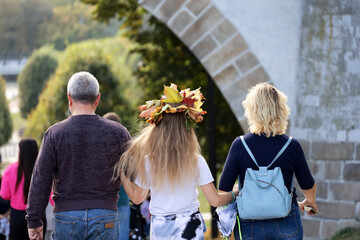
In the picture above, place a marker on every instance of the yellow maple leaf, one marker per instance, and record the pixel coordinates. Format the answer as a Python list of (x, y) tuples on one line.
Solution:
[(172, 95)]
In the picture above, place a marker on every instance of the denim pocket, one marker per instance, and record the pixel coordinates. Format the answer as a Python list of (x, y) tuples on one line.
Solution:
[(63, 229), (107, 228), (246, 228), (288, 226)]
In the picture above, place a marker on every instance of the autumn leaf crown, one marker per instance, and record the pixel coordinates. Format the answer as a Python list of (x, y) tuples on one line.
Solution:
[(173, 101)]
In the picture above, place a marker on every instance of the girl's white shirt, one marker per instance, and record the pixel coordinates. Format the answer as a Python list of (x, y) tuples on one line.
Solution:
[(184, 198)]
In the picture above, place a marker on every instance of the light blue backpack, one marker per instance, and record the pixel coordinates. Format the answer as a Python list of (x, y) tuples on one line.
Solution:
[(264, 194)]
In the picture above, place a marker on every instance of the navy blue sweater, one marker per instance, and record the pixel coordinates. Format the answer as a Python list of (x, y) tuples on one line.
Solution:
[(264, 150)]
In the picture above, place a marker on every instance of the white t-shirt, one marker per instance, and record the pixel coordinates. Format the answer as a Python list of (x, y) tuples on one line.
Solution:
[(168, 201)]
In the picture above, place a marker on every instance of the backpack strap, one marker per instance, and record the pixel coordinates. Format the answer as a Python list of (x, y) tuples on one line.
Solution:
[(248, 150), (281, 151), (276, 157)]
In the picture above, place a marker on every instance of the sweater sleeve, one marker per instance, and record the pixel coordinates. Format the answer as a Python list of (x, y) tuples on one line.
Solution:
[(302, 171), (5, 187), (231, 168), (41, 183)]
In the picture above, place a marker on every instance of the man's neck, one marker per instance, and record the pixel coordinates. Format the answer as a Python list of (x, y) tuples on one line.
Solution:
[(82, 113), (82, 109)]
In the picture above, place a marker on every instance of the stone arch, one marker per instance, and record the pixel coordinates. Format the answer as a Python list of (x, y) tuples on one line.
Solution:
[(217, 44)]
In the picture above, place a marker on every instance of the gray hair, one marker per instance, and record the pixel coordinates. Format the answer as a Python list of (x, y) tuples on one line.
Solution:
[(83, 87)]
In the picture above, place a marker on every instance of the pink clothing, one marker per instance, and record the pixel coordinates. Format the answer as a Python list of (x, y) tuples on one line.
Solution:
[(8, 185)]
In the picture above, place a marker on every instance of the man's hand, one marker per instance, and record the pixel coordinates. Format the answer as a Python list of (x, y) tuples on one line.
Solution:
[(36, 233)]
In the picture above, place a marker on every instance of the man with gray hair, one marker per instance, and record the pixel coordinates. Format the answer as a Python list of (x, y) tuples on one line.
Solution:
[(76, 160)]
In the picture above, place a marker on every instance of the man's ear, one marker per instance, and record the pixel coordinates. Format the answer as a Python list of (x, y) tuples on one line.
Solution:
[(97, 100), (69, 100)]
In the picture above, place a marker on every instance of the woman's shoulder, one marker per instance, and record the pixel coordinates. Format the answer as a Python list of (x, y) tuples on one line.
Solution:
[(11, 168)]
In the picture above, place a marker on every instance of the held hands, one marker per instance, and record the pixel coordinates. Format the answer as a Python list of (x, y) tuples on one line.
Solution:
[(308, 206), (36, 233), (236, 189)]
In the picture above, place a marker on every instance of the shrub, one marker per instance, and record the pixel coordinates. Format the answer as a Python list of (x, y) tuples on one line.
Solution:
[(38, 69), (5, 118), (348, 233)]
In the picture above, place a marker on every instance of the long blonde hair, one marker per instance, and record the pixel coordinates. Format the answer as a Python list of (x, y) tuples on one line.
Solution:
[(172, 150), (266, 110)]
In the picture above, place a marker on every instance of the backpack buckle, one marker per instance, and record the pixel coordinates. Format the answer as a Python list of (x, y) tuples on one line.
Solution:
[(263, 171)]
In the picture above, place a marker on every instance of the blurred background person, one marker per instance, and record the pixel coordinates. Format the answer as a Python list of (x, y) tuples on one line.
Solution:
[(15, 187), (123, 201)]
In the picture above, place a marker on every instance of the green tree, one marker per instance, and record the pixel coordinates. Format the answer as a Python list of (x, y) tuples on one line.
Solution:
[(72, 23), (5, 118), (37, 71), (166, 59), (107, 64), (19, 20)]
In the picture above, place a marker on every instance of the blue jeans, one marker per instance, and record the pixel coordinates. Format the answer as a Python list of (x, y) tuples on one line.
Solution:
[(289, 227), (124, 222), (85, 224)]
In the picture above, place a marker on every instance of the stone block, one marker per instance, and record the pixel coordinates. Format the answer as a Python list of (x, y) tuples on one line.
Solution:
[(311, 100), (237, 108), (305, 145), (247, 62), (317, 169), (357, 155), (168, 9), (226, 76), (345, 191), (348, 223), (311, 228), (150, 4), (196, 6), (239, 88), (244, 124), (253, 78), (351, 172), (333, 170), (204, 47), (329, 229), (224, 31), (206, 22), (225, 54), (354, 135), (321, 189), (332, 151), (233, 92), (180, 22), (341, 136), (335, 210)]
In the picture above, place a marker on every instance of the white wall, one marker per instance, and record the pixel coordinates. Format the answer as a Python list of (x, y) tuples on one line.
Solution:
[(272, 30)]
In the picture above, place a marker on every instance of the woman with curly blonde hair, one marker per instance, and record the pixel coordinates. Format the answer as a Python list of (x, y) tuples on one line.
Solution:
[(267, 112), (165, 159)]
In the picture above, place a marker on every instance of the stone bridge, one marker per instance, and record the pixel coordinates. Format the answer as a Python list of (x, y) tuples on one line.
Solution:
[(309, 49)]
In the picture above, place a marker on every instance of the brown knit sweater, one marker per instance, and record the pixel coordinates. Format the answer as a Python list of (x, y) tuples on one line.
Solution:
[(76, 157)]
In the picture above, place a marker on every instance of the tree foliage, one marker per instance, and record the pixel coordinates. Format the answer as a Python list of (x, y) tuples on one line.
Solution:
[(38, 69), (26, 25), (72, 23), (19, 20), (5, 118), (107, 64), (166, 59)]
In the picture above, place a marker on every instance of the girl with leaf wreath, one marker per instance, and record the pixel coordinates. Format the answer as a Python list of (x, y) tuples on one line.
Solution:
[(165, 159)]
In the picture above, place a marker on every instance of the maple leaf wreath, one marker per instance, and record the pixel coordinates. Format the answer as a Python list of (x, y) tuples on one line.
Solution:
[(173, 101)]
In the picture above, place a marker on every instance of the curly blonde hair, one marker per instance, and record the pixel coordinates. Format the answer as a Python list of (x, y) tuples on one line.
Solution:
[(172, 150), (266, 110)]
